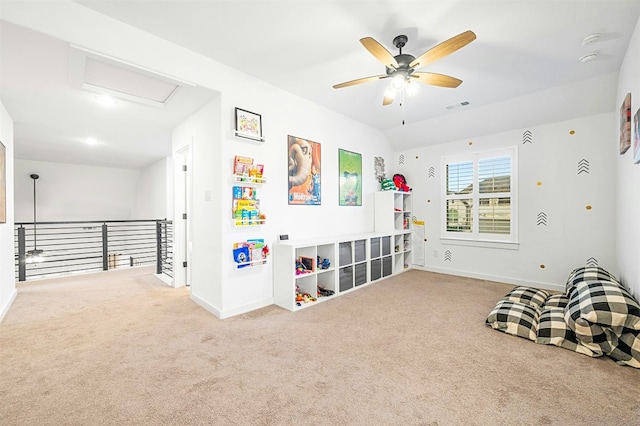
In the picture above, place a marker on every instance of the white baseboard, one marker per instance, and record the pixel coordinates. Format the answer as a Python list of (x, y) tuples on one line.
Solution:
[(165, 279), (231, 312), (500, 279), (247, 308), (7, 305), (208, 307)]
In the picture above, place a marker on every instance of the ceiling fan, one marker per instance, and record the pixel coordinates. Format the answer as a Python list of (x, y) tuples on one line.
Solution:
[(402, 67)]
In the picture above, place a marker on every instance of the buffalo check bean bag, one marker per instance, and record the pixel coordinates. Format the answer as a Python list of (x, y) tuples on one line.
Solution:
[(596, 316)]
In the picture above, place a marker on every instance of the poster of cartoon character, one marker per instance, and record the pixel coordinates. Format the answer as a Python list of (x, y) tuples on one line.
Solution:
[(304, 171), (350, 169)]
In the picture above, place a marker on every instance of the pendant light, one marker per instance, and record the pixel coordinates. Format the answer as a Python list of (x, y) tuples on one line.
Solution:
[(35, 255)]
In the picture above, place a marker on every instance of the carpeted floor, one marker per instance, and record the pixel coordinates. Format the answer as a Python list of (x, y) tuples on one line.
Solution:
[(122, 348)]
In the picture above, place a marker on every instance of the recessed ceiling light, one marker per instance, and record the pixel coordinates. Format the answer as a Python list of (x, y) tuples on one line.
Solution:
[(106, 100), (91, 141), (588, 57)]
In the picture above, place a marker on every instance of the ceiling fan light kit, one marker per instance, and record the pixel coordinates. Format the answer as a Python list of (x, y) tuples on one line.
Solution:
[(588, 57), (402, 68), (591, 38)]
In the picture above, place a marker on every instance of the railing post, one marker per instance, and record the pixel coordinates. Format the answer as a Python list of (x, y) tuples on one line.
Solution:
[(158, 247), (22, 255), (105, 248)]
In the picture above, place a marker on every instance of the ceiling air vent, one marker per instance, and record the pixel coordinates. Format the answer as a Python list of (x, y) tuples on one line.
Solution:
[(457, 105)]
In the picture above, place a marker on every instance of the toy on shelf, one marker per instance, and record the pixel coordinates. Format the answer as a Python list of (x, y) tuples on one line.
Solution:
[(323, 263), (303, 297), (250, 253), (387, 185), (325, 292), (304, 265), (400, 183)]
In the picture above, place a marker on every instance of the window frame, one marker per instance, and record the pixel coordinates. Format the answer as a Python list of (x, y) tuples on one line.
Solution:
[(475, 238)]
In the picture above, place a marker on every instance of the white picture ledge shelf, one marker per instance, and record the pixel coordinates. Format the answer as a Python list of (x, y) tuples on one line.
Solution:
[(246, 136), (249, 180)]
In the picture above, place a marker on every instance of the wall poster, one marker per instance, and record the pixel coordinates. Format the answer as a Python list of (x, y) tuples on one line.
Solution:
[(304, 171), (636, 140), (350, 178), (3, 183), (625, 124)]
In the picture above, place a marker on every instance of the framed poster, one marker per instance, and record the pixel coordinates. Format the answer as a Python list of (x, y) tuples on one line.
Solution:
[(350, 178), (3, 183), (248, 125), (304, 171), (625, 124), (636, 137)]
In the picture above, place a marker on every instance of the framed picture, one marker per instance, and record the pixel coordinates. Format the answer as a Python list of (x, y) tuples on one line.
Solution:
[(636, 137), (350, 178), (3, 183), (625, 124), (304, 171), (248, 125)]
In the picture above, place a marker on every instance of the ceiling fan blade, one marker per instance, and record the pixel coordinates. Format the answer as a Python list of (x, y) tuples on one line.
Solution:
[(443, 49), (359, 81), (387, 100), (379, 51), (436, 79)]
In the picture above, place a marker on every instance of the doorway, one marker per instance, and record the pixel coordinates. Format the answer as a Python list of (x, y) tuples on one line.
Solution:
[(182, 214)]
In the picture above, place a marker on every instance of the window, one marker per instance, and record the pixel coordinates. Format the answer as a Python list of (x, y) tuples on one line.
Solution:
[(480, 197)]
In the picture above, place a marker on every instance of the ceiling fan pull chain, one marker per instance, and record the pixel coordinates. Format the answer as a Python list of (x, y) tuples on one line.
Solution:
[(402, 105)]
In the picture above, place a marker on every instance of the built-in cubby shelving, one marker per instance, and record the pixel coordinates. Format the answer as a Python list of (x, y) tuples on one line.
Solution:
[(309, 272), (393, 214)]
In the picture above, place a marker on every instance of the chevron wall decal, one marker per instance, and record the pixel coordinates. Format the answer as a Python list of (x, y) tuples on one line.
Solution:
[(447, 255), (583, 166), (527, 137), (432, 172), (401, 159), (592, 261), (542, 219)]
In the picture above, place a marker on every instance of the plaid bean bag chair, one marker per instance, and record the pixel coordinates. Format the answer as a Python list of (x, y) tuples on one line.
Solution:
[(596, 316)]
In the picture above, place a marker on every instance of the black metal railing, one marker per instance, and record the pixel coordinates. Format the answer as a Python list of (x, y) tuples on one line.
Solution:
[(164, 235), (47, 249)]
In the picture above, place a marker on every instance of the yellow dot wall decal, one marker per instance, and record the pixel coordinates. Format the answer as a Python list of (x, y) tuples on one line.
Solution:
[(539, 183), (416, 157), (572, 132), (542, 266), (588, 207), (428, 201), (470, 143)]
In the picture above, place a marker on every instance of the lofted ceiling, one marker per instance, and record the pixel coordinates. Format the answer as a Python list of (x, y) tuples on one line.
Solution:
[(525, 49)]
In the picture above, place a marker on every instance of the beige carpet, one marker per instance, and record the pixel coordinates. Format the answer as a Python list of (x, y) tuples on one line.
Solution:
[(120, 347)]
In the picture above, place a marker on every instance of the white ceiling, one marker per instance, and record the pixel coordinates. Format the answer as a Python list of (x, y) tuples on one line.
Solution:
[(305, 47)]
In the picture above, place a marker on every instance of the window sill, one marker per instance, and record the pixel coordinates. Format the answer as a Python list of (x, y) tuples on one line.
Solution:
[(503, 245)]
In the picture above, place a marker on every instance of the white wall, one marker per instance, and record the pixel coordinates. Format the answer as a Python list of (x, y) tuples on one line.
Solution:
[(201, 133), (283, 115), (154, 191), (628, 173), (7, 268), (68, 192), (573, 234)]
